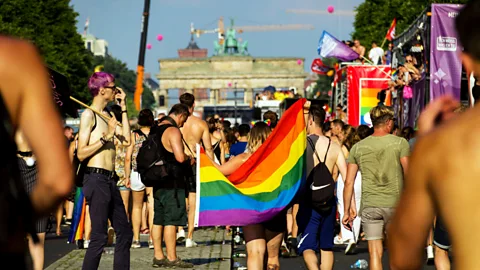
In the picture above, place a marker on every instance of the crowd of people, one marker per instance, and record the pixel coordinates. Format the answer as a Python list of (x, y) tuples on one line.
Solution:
[(400, 195)]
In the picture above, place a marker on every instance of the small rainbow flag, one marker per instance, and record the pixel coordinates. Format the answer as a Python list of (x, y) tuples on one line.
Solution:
[(78, 220), (263, 186)]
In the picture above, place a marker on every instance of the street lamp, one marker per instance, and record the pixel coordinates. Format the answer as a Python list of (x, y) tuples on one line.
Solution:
[(235, 106)]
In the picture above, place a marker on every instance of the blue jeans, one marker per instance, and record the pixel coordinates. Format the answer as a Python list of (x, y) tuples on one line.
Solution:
[(105, 203)]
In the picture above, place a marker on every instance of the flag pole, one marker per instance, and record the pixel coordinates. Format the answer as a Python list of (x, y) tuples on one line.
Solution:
[(383, 43), (368, 60)]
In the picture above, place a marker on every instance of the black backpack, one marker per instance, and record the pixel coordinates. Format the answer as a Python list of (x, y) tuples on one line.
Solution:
[(150, 165), (321, 183)]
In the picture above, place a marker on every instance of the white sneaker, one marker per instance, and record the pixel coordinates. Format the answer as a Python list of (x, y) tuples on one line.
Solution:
[(136, 244), (86, 243), (351, 245), (190, 243), (430, 255), (181, 236), (338, 240), (150, 244)]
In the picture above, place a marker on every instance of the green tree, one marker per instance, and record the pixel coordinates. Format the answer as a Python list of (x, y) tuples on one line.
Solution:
[(50, 25), (126, 79), (374, 17)]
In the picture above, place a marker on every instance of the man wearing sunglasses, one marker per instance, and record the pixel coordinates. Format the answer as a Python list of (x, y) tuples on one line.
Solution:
[(96, 149)]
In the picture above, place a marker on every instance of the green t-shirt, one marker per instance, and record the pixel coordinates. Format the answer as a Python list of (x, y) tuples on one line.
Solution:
[(378, 159)]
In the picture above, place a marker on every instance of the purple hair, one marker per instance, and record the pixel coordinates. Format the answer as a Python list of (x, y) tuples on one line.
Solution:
[(99, 80)]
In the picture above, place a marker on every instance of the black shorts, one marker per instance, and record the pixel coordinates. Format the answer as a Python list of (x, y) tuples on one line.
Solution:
[(441, 238), (168, 210), (278, 223)]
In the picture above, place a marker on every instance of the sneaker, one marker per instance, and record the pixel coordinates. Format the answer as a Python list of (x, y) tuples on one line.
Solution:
[(159, 263), (430, 255), (181, 236), (150, 244), (178, 263), (111, 234), (190, 243), (136, 244), (284, 251), (86, 243), (350, 247), (338, 240), (293, 247), (68, 221)]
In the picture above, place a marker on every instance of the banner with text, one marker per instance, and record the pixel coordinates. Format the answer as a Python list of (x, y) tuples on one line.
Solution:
[(445, 63), (364, 83)]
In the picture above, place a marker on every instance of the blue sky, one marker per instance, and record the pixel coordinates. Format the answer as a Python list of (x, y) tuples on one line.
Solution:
[(119, 22)]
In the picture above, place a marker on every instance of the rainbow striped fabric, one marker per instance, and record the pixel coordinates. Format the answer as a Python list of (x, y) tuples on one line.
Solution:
[(263, 186), (78, 220)]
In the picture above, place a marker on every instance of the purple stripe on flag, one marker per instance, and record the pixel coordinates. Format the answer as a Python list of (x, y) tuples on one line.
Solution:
[(230, 217)]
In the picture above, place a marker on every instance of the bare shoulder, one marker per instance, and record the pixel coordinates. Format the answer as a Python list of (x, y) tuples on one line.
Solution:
[(87, 115)]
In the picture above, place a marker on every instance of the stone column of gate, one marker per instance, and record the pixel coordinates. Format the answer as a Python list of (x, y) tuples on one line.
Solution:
[(213, 97), (248, 97)]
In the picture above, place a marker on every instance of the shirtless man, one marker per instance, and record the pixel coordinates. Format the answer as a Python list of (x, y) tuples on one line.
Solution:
[(444, 172), (194, 131), (96, 146), (318, 228), (26, 102), (358, 48)]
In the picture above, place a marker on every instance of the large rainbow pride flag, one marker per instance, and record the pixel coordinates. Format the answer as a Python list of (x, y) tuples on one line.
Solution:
[(263, 186)]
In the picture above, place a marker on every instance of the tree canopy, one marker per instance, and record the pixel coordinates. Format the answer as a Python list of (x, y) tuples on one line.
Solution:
[(50, 25), (374, 17)]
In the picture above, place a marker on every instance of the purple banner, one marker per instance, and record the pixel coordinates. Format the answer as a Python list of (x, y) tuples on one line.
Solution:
[(445, 63), (416, 104)]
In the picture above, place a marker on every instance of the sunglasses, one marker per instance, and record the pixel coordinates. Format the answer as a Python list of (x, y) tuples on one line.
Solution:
[(114, 88)]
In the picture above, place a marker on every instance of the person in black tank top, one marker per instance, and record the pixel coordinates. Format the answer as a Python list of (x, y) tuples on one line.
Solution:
[(169, 194)]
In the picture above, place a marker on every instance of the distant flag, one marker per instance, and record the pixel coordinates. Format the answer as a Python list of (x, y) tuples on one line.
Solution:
[(329, 46), (85, 29), (319, 67), (391, 31)]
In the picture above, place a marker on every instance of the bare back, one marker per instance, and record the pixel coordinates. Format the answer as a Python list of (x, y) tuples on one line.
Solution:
[(194, 131), (455, 182), (333, 152)]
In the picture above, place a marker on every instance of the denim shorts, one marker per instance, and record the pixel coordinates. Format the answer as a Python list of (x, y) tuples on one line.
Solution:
[(123, 188)]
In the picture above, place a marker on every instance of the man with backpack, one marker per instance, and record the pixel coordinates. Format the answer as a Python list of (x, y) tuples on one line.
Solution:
[(382, 159), (317, 211), (166, 175)]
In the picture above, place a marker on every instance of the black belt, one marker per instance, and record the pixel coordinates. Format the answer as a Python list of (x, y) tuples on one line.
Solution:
[(107, 173), (25, 154)]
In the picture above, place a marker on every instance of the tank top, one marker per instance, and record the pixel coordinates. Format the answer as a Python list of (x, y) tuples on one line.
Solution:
[(175, 168), (16, 211), (140, 137)]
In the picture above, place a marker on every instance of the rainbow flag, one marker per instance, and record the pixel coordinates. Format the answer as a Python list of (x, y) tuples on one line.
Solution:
[(263, 186), (78, 219), (369, 88)]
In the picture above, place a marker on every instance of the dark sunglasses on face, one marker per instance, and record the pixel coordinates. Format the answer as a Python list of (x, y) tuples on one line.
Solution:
[(114, 88)]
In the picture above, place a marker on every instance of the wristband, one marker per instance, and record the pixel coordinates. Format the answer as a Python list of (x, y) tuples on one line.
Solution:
[(124, 111), (103, 140)]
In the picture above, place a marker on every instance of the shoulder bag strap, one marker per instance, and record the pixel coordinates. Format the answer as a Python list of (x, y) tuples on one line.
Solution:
[(326, 153), (313, 147)]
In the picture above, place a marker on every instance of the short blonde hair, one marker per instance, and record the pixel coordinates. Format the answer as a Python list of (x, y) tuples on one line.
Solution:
[(257, 136), (381, 114)]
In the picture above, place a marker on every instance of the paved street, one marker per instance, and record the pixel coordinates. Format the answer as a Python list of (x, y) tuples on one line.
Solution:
[(213, 252), (342, 261)]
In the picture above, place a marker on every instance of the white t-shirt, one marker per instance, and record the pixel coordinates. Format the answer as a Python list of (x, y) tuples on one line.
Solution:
[(375, 55)]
